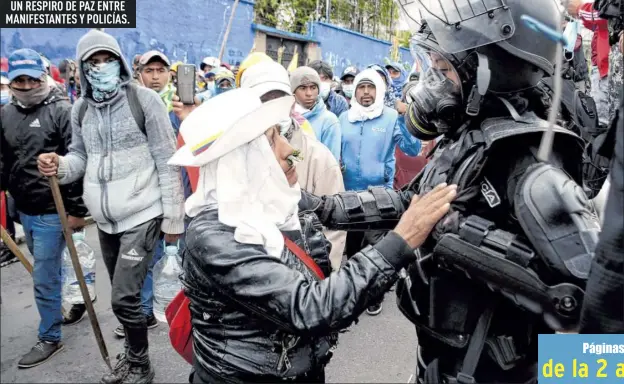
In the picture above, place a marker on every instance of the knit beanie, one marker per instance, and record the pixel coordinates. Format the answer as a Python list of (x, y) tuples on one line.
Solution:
[(304, 76)]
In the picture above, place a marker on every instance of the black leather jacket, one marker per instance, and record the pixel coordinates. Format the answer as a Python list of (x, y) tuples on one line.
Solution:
[(259, 318)]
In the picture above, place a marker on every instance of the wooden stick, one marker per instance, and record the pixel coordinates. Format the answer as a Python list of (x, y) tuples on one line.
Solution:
[(60, 208), (227, 30), (14, 248)]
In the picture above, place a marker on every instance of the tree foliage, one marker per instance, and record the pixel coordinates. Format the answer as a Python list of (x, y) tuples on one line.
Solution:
[(377, 18)]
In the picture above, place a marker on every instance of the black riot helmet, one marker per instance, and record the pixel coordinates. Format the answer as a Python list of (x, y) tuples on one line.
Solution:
[(487, 48)]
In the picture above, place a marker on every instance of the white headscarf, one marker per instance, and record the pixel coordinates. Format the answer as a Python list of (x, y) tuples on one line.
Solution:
[(252, 194), (361, 113)]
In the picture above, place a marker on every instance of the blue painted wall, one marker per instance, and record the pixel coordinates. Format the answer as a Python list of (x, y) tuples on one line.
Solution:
[(186, 30), (341, 47)]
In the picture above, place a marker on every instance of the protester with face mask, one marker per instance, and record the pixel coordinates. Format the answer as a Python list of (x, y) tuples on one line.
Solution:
[(305, 84), (224, 81), (333, 101), (319, 172), (390, 99), (38, 120), (370, 133), (347, 86), (130, 190), (397, 76)]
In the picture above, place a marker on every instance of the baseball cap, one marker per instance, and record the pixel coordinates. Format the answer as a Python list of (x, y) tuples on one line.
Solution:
[(211, 61), (349, 71), (265, 77), (26, 62), (150, 56)]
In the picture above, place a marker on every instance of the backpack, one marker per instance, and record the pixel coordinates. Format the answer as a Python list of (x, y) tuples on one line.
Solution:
[(178, 313), (135, 108)]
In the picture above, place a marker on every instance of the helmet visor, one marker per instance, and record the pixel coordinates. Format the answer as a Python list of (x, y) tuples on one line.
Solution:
[(460, 25), (436, 72)]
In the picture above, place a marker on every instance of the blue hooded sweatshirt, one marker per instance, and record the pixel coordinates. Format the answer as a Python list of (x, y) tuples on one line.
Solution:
[(389, 98), (396, 86), (326, 127), (336, 103), (368, 149)]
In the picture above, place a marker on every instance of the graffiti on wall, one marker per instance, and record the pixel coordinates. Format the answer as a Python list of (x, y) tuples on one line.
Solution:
[(342, 48), (189, 36)]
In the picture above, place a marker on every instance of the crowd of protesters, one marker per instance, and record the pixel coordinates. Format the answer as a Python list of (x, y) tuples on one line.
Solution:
[(109, 130)]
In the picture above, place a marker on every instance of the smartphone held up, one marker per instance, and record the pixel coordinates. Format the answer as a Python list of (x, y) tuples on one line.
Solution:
[(186, 83)]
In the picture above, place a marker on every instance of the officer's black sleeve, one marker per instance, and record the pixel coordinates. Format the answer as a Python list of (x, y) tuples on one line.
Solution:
[(603, 307), (377, 208), (72, 193)]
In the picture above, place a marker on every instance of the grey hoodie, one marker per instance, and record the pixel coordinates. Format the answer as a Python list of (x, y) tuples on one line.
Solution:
[(127, 180)]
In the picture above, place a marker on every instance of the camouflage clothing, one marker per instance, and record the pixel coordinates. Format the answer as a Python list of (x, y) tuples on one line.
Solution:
[(616, 82)]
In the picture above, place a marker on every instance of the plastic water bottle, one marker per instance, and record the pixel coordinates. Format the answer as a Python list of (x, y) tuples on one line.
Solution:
[(86, 256), (166, 281)]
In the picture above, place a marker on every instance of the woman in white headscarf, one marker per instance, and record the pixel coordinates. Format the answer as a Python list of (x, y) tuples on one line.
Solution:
[(264, 306)]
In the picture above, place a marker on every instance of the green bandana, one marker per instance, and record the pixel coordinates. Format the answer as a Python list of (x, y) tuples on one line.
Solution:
[(167, 96)]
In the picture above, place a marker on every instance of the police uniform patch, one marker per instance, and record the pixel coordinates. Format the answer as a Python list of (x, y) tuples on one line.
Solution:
[(488, 191)]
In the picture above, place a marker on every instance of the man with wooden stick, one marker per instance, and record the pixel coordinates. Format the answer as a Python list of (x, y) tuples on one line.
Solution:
[(37, 120), (122, 140)]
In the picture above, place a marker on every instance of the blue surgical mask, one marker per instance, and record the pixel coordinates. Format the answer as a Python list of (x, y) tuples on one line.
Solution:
[(220, 90), (104, 78), (348, 90), (4, 97), (570, 33)]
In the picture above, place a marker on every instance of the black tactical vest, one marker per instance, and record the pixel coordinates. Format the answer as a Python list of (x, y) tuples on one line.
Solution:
[(449, 309)]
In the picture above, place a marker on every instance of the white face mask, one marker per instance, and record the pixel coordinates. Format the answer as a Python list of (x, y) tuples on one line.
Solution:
[(348, 90), (300, 109), (324, 90)]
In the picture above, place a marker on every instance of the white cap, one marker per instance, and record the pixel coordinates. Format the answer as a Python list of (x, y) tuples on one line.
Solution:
[(212, 61), (265, 77)]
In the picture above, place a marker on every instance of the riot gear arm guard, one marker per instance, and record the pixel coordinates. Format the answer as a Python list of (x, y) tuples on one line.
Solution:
[(546, 274), (507, 265), (377, 208), (557, 218)]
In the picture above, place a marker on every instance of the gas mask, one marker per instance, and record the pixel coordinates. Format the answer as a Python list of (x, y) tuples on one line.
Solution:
[(436, 101)]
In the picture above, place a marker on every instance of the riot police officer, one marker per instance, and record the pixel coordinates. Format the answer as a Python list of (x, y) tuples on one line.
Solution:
[(512, 257)]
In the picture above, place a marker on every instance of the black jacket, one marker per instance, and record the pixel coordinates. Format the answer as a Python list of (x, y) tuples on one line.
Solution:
[(24, 135), (247, 306), (603, 309)]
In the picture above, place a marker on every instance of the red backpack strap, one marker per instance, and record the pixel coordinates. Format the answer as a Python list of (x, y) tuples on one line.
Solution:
[(303, 256), (3, 210)]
